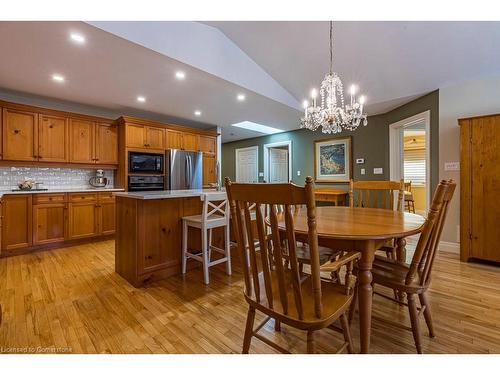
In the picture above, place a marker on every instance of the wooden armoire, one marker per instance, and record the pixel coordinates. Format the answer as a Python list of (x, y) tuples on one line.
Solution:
[(480, 188)]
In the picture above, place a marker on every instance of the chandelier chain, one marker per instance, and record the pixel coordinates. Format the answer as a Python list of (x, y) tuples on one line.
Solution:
[(331, 47)]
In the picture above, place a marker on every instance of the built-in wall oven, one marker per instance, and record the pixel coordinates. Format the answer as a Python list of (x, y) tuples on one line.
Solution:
[(146, 183), (141, 162)]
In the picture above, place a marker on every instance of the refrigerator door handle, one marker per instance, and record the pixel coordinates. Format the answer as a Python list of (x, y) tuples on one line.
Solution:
[(190, 171)]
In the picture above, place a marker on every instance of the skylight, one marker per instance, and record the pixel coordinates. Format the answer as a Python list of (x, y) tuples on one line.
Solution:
[(257, 127)]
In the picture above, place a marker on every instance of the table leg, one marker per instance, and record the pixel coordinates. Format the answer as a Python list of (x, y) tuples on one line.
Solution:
[(401, 257), (365, 293), (401, 249)]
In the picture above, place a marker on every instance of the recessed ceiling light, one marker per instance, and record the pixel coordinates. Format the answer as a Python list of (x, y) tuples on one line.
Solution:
[(180, 75), (77, 38), (141, 99), (58, 78), (257, 127), (197, 113), (240, 97)]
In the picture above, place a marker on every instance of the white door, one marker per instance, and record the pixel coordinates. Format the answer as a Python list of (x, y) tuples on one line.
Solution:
[(278, 165), (247, 161)]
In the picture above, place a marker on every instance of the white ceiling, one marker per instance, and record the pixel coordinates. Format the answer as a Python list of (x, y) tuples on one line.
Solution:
[(274, 63)]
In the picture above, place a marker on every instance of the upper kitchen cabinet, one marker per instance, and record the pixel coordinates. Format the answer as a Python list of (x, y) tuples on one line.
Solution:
[(155, 138), (81, 145), (106, 144), (189, 142), (53, 139), (19, 135), (135, 135), (207, 144), (141, 136), (174, 139)]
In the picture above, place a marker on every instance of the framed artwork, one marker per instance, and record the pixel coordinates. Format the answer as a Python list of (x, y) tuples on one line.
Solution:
[(333, 160)]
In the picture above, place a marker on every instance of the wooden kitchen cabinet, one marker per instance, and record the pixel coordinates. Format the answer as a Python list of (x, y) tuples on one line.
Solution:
[(83, 215), (49, 223), (53, 139), (107, 216), (155, 138), (209, 163), (1, 137), (174, 139), (207, 144), (16, 221), (81, 145), (19, 135), (189, 142), (135, 135), (141, 136), (106, 144)]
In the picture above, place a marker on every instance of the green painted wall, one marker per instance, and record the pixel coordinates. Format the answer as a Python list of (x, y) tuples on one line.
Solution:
[(370, 142)]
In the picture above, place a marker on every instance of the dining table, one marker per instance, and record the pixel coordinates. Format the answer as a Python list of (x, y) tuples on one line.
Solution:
[(359, 229)]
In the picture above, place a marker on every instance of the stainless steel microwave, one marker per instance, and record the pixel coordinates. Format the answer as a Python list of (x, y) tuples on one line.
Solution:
[(139, 162)]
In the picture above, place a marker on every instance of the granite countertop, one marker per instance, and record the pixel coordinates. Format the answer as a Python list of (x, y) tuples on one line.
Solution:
[(60, 190), (166, 194)]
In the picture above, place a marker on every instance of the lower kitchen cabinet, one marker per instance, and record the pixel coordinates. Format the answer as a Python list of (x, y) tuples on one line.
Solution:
[(29, 221), (49, 223), (107, 217), (16, 221), (82, 220)]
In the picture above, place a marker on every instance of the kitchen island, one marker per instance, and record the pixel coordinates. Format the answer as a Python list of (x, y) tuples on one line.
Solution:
[(149, 232)]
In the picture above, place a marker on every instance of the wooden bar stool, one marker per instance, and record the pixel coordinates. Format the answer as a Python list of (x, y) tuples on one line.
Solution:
[(215, 214)]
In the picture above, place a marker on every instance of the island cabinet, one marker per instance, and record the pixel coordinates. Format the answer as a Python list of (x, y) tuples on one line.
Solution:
[(149, 236)]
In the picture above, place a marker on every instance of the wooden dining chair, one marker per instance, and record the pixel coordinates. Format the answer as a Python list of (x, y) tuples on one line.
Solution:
[(278, 292), (409, 200), (414, 279), (378, 194)]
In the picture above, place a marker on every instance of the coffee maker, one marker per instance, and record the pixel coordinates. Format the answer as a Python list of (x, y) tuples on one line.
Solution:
[(98, 180)]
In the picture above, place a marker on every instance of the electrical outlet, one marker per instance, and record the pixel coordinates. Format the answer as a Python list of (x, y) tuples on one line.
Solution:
[(362, 171), (298, 173), (360, 161), (452, 166), (378, 170), (261, 174)]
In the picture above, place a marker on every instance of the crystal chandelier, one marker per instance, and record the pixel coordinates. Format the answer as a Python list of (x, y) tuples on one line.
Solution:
[(332, 114)]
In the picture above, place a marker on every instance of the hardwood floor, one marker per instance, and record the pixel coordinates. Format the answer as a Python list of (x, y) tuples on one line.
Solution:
[(73, 300)]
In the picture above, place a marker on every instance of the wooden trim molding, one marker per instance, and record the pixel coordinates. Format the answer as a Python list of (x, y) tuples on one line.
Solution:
[(138, 121)]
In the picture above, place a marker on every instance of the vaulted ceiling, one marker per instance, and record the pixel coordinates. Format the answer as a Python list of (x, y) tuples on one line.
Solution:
[(274, 64)]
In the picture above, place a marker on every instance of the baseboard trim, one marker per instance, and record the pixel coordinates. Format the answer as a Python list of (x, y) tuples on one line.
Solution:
[(450, 247)]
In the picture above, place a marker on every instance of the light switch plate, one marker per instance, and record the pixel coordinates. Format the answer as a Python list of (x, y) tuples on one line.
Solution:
[(362, 171), (298, 173), (452, 166), (378, 170), (360, 161), (261, 174)]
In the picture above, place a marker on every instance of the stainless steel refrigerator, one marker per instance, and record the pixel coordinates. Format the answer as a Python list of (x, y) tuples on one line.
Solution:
[(185, 170)]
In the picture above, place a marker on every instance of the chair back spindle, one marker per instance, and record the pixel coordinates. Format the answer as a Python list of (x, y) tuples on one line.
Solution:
[(279, 202), (377, 194)]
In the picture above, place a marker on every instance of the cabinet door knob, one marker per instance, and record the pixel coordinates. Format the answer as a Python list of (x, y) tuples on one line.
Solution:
[(16, 131)]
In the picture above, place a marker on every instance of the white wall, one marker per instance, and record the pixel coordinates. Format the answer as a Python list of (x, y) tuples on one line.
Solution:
[(473, 98)]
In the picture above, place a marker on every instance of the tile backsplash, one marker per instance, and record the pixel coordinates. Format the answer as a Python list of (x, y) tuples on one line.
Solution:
[(52, 178)]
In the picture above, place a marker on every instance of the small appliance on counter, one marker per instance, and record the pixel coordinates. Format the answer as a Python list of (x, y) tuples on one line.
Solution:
[(98, 181), (29, 185)]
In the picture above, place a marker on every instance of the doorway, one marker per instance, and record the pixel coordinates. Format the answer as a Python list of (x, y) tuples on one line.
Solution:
[(247, 164), (278, 161), (410, 160)]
